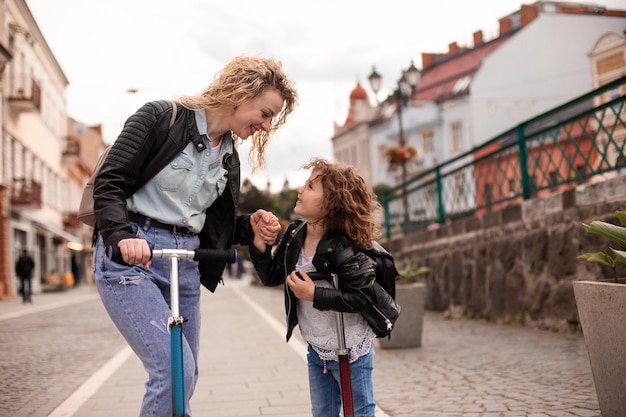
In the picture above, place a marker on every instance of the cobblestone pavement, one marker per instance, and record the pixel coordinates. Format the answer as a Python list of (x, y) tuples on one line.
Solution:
[(471, 368), (465, 368), (47, 354)]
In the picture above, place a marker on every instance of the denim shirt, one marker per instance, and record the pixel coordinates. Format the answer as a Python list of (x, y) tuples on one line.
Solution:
[(181, 192)]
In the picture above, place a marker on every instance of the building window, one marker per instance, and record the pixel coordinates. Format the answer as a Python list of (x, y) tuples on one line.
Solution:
[(613, 94), (382, 158), (428, 141), (363, 159), (459, 186), (456, 133)]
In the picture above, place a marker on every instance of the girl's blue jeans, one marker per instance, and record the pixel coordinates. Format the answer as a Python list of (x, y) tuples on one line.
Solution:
[(325, 386), (138, 302)]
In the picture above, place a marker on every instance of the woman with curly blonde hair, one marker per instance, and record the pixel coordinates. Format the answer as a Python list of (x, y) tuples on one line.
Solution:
[(338, 212), (171, 181), (243, 79)]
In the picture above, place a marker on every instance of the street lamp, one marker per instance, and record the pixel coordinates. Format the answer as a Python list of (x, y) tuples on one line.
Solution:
[(401, 95), (374, 79)]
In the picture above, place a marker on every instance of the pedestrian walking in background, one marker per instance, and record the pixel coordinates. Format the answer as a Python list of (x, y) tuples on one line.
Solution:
[(240, 267), (339, 209), (24, 269), (178, 188)]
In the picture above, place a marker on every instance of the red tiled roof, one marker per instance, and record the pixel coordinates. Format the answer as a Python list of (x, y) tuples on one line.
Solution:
[(437, 81)]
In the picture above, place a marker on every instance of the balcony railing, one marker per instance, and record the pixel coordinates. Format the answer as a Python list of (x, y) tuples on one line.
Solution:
[(25, 100), (569, 145), (71, 152), (25, 193)]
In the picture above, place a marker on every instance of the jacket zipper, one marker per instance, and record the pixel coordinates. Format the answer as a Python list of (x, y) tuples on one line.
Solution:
[(387, 321)]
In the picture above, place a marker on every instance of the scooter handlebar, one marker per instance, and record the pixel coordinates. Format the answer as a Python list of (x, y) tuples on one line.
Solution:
[(216, 255)]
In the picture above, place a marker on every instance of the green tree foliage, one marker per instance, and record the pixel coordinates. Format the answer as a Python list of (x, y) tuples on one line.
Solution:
[(380, 189), (251, 198), (284, 202), (281, 204)]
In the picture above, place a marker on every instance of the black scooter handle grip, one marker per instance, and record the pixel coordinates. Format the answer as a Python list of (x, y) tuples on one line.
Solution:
[(218, 255)]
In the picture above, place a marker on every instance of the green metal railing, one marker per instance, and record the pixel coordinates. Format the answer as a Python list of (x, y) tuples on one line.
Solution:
[(577, 142)]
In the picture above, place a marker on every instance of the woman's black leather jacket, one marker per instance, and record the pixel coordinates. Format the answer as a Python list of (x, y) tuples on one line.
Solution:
[(144, 147), (356, 272)]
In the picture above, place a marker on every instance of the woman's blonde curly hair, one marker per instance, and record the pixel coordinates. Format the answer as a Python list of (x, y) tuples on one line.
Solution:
[(350, 205), (245, 78)]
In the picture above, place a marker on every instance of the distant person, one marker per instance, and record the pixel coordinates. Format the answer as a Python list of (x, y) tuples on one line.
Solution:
[(339, 209), (240, 267), (24, 269), (178, 188), (76, 271)]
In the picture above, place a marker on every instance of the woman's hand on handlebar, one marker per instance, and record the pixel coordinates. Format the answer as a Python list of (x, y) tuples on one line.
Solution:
[(135, 251)]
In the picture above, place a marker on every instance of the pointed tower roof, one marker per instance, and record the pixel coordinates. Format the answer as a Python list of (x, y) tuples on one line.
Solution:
[(358, 96)]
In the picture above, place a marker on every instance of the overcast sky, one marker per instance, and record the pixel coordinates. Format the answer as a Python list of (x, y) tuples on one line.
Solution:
[(166, 48)]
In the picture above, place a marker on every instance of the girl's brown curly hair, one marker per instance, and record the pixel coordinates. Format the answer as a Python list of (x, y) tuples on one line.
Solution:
[(349, 204), (245, 78)]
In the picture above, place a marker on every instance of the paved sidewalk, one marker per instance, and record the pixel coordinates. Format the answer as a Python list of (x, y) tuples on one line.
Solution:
[(465, 368), (46, 301)]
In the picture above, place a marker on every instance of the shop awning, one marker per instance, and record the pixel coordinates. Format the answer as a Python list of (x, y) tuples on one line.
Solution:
[(46, 222)]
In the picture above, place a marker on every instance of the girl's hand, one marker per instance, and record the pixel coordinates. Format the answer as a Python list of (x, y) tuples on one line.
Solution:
[(301, 284), (266, 227), (135, 251)]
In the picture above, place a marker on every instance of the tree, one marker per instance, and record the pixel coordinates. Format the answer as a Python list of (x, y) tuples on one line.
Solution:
[(251, 198), (380, 189)]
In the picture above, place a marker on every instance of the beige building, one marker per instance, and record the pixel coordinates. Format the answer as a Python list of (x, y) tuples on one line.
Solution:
[(43, 162)]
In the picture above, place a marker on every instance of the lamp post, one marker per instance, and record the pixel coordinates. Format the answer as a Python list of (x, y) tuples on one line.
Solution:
[(401, 95)]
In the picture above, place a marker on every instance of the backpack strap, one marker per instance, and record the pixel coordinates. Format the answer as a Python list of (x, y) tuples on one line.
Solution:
[(174, 110)]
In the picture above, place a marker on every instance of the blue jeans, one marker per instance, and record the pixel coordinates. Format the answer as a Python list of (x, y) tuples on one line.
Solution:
[(138, 302), (325, 387), (26, 287)]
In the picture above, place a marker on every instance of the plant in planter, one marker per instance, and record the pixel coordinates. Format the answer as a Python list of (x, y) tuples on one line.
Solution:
[(410, 295), (615, 233), (398, 155), (411, 273), (601, 307)]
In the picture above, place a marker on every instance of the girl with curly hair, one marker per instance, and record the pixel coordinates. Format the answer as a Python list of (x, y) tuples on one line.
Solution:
[(338, 224)]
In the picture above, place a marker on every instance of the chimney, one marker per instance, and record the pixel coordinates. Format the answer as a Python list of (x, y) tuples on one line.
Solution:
[(478, 38), (97, 128), (505, 25), (453, 48), (427, 60), (529, 13)]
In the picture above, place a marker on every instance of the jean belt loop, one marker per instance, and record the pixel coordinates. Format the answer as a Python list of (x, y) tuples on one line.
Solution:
[(146, 224)]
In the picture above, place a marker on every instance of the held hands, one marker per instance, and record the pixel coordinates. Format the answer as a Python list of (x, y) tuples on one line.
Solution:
[(266, 227), (301, 284)]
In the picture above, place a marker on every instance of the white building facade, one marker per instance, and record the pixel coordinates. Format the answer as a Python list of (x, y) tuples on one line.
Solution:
[(544, 65)]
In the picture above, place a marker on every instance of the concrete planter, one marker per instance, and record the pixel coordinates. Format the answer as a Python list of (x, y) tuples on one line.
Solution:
[(407, 332), (602, 311)]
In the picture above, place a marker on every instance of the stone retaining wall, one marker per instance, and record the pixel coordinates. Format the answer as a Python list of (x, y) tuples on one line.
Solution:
[(517, 264)]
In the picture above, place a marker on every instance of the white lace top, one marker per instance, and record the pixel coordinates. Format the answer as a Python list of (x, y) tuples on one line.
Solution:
[(319, 328)]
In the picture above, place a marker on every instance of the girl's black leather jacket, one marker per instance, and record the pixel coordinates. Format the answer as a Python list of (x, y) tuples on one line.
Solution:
[(334, 253), (144, 147)]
